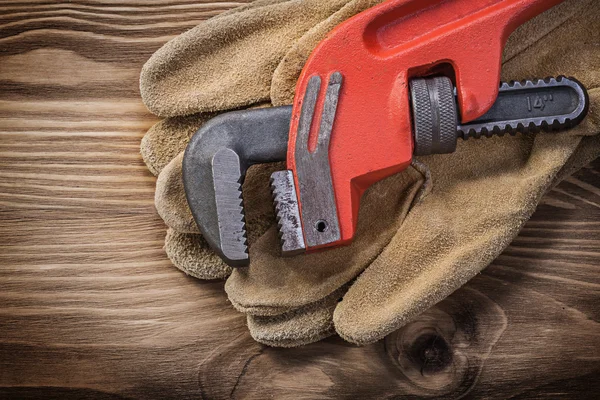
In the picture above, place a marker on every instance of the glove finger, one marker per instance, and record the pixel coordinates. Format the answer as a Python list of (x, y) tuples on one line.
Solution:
[(191, 254), (170, 200), (169, 137), (172, 206), (227, 62), (298, 327), (286, 75), (479, 203), (272, 281)]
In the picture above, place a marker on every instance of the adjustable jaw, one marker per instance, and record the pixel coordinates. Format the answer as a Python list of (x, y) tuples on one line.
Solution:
[(352, 123)]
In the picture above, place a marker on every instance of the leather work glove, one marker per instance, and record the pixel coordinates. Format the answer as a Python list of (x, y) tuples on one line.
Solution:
[(422, 233)]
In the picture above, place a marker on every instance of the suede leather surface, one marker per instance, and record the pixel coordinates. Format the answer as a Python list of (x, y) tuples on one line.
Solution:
[(422, 233)]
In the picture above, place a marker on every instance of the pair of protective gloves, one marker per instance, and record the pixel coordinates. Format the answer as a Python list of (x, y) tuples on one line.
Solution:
[(422, 233)]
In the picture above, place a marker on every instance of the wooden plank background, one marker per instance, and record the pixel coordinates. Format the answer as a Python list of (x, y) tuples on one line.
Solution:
[(91, 307)]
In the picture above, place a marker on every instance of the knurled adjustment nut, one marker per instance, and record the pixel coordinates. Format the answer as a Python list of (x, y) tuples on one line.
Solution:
[(435, 116)]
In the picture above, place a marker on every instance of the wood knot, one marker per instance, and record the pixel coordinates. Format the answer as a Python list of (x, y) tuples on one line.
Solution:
[(431, 352), (443, 350), (425, 353)]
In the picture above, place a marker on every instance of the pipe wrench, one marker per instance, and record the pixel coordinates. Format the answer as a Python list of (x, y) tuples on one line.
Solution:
[(404, 78)]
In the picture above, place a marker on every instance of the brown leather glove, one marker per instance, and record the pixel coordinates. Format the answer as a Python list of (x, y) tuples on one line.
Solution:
[(422, 233)]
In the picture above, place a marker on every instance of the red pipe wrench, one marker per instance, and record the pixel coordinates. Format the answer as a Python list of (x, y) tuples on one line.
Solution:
[(365, 132), (402, 78)]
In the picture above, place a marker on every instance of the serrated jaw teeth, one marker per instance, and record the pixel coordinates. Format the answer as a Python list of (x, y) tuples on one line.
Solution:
[(230, 207), (288, 213)]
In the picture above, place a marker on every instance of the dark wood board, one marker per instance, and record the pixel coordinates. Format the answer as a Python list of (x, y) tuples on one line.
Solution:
[(90, 306)]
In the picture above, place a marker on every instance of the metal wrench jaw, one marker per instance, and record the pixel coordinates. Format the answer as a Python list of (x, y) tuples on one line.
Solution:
[(214, 167)]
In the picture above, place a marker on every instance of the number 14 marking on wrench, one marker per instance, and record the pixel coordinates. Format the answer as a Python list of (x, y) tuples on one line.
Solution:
[(538, 102)]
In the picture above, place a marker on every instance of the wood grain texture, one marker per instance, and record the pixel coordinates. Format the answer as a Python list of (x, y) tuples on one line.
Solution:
[(91, 307)]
